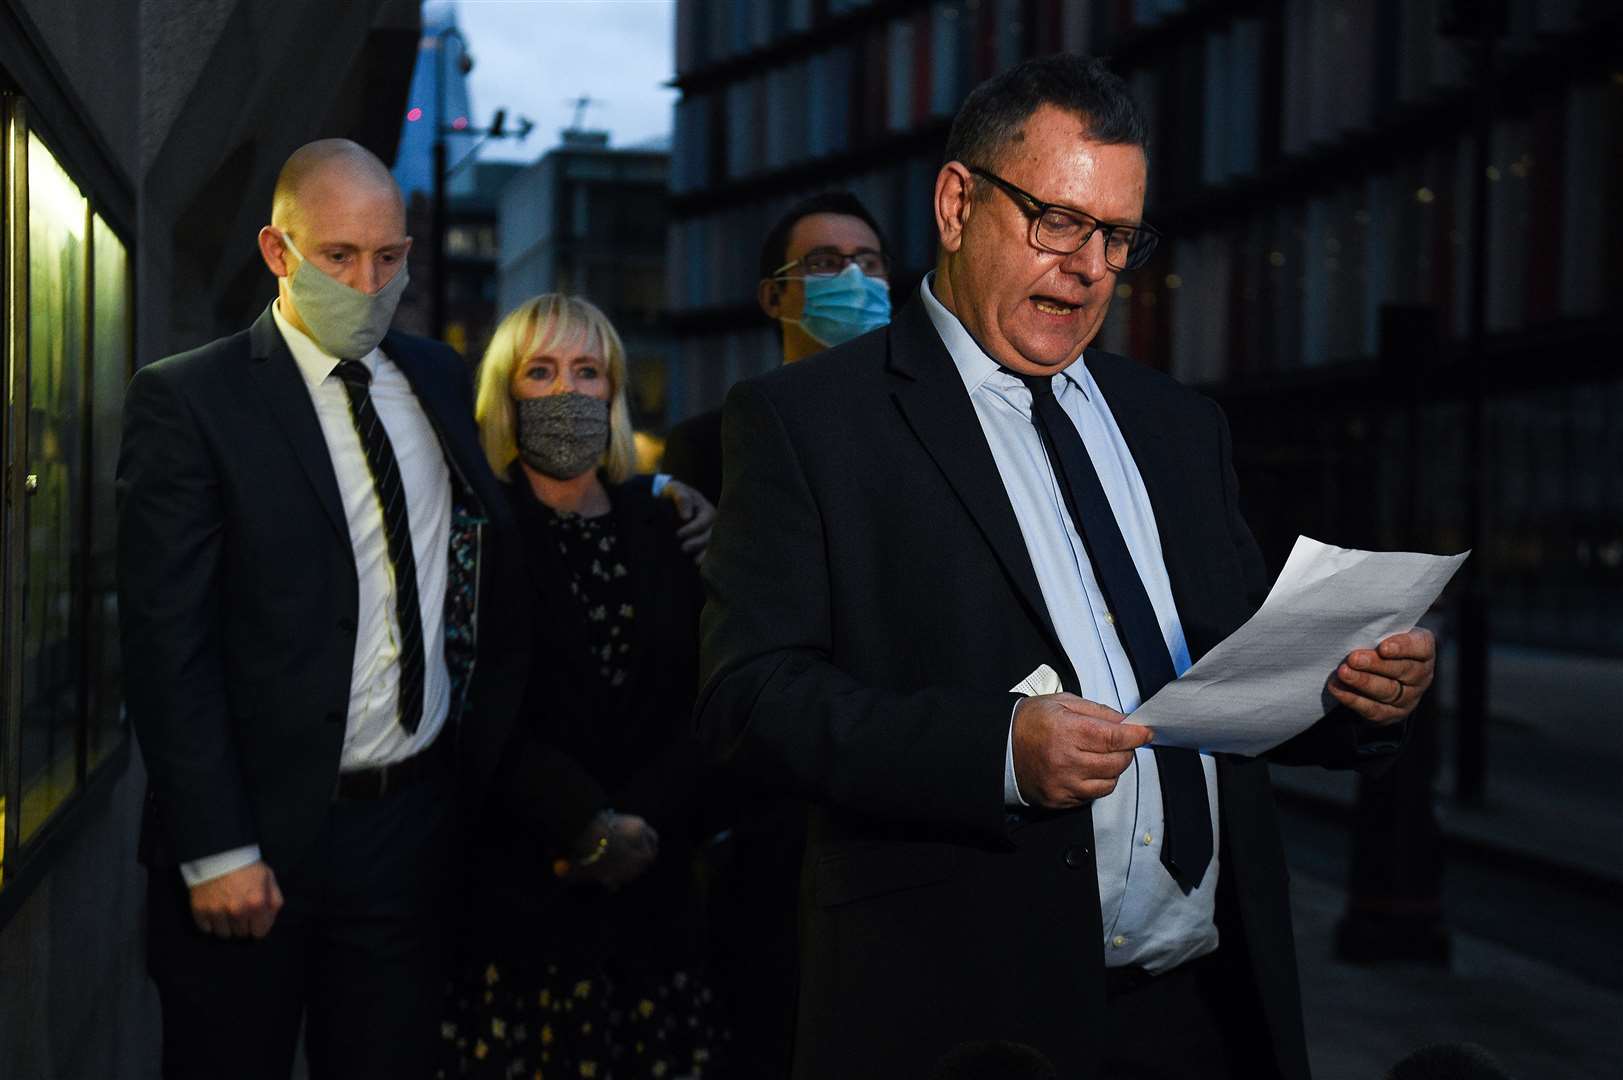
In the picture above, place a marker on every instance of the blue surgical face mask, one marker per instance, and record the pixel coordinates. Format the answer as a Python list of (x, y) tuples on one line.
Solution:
[(844, 306)]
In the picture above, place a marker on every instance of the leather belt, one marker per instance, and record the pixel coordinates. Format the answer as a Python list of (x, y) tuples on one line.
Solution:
[(1121, 981), (384, 780)]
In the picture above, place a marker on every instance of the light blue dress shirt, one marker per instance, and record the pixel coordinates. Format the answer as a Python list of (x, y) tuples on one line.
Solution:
[(1147, 919)]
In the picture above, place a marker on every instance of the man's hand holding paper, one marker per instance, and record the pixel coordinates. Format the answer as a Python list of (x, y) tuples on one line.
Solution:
[(1068, 750), (1384, 684), (1267, 681)]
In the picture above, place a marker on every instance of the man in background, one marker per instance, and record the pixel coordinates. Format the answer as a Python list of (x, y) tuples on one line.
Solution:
[(825, 279)]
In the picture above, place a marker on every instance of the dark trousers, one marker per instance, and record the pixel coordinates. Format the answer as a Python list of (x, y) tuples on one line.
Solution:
[(1187, 1024), (357, 954)]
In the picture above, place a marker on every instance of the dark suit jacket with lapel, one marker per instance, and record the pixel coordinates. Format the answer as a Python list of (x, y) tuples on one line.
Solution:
[(238, 592), (578, 747), (870, 602)]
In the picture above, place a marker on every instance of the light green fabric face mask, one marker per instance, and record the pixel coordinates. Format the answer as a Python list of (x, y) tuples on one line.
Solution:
[(345, 322)]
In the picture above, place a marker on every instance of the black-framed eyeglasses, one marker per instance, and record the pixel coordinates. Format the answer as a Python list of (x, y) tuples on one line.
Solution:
[(1063, 230), (827, 261)]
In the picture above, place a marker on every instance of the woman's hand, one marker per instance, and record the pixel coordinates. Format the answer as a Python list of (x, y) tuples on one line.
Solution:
[(697, 516), (614, 851)]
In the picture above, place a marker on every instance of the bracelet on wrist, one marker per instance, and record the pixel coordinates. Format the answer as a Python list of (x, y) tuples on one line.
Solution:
[(597, 852)]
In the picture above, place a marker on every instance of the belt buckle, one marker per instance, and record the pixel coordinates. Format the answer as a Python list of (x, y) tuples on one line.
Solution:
[(383, 779)]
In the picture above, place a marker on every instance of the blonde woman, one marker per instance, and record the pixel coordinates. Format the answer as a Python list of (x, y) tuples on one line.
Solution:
[(579, 953)]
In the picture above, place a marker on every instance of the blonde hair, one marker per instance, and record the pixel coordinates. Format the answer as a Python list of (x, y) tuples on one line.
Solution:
[(540, 323)]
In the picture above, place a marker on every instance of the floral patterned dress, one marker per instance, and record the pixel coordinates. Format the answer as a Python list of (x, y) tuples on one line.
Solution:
[(565, 1025), (574, 1013)]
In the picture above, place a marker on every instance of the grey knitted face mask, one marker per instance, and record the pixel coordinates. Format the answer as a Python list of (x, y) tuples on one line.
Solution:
[(562, 435)]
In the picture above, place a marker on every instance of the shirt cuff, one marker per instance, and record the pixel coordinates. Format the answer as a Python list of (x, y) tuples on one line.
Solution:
[(1373, 740), (210, 867), (659, 482), (1011, 788)]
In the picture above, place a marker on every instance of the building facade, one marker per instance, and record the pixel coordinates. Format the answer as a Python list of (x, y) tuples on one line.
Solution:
[(140, 146), (1314, 169), (471, 263), (590, 219), (438, 97)]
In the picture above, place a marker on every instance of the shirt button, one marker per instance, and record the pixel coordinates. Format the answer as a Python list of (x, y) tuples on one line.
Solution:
[(1109, 618), (1118, 941), (1076, 856), (1148, 839)]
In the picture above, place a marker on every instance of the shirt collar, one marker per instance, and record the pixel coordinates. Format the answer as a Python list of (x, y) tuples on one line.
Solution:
[(973, 365), (314, 363)]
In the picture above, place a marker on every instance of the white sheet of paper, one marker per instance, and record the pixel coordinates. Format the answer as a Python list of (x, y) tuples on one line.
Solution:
[(1266, 681)]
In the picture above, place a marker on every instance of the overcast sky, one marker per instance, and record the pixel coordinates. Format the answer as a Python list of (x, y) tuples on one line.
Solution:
[(535, 56)]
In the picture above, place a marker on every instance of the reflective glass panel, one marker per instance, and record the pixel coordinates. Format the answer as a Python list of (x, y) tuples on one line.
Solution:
[(110, 370), (52, 655)]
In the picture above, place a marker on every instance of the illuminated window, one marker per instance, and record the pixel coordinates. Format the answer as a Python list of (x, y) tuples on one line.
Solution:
[(51, 635), (67, 350)]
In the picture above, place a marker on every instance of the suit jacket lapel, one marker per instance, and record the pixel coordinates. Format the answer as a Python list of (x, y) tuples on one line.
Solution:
[(932, 399), (451, 418), (1162, 464), (420, 375), (287, 395)]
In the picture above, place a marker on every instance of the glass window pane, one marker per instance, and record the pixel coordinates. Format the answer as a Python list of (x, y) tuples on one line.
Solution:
[(52, 653), (111, 365)]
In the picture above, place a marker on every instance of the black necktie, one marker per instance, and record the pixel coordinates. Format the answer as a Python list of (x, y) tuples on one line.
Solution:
[(1186, 846), (380, 461)]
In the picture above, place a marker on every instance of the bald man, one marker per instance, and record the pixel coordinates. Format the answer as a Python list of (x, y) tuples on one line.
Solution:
[(309, 541)]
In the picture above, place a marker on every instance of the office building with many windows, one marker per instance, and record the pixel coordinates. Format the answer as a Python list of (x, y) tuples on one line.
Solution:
[(589, 219), (139, 146)]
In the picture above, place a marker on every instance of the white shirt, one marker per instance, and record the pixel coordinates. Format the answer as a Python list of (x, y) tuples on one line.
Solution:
[(372, 732), (1147, 919)]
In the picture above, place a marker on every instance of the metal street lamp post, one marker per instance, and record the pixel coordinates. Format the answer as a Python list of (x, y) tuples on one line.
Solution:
[(1478, 23), (441, 129), (444, 170)]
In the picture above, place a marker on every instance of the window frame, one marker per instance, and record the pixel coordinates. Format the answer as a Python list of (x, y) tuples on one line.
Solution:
[(24, 863)]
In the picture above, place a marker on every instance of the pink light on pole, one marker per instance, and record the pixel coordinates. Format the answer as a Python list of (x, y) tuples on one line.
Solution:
[(413, 115)]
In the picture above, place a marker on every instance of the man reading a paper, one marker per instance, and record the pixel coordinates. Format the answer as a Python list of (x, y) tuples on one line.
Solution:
[(916, 521)]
